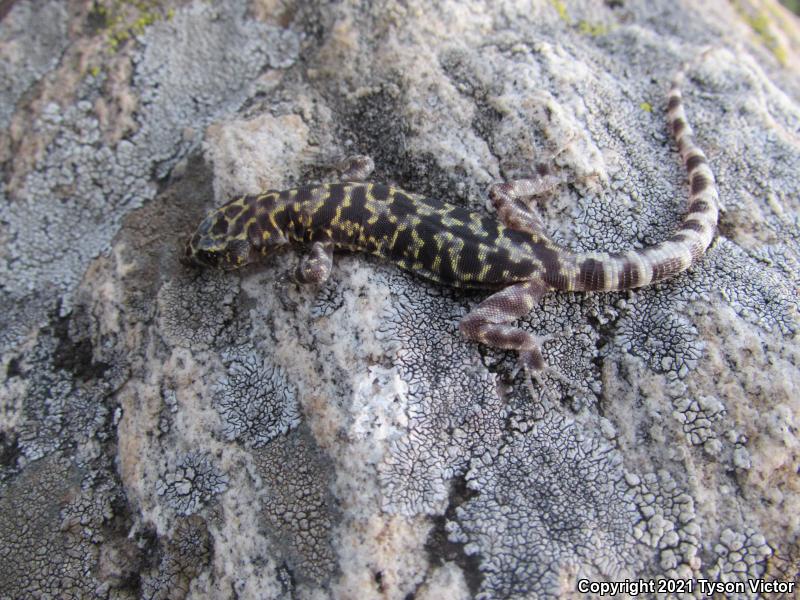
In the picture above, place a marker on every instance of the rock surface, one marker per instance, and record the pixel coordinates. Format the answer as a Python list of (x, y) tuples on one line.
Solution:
[(176, 434)]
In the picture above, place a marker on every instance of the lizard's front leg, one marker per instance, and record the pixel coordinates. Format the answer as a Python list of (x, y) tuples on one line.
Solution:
[(315, 267), (489, 323), (356, 168)]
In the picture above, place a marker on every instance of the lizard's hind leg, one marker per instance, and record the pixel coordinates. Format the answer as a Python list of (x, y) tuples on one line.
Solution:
[(513, 201), (489, 323)]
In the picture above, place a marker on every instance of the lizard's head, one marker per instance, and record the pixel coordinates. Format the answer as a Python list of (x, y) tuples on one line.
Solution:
[(220, 241)]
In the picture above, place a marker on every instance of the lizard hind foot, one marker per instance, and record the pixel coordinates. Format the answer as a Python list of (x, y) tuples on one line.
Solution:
[(546, 388), (536, 369), (513, 202)]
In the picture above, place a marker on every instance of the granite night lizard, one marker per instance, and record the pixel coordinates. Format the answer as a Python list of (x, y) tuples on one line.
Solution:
[(455, 246)]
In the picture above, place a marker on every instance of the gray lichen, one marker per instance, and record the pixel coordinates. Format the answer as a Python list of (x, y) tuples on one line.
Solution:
[(69, 208), (761, 293), (665, 339), (669, 523), (186, 554), (32, 39), (44, 549), (58, 409), (255, 400), (76, 195), (167, 415), (194, 310), (699, 418), (191, 483), (297, 505), (24, 314), (453, 409), (572, 349), (553, 497), (741, 556)]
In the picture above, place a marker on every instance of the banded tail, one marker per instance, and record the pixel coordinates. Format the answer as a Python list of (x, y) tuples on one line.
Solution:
[(636, 268)]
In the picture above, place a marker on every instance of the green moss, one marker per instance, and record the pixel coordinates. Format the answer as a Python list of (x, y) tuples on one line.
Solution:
[(583, 26), (122, 20), (762, 25), (561, 9), (646, 106), (593, 29)]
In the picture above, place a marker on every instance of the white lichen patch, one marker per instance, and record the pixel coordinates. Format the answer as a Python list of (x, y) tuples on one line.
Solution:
[(699, 417), (741, 557), (255, 400), (554, 500), (191, 483), (669, 523)]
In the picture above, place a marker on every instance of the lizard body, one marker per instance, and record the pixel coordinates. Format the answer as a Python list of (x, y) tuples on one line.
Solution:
[(455, 246)]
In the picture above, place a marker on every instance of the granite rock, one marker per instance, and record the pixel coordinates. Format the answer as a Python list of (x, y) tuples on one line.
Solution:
[(169, 433)]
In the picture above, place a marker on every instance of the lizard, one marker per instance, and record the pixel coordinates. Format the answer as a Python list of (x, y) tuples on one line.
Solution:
[(452, 245)]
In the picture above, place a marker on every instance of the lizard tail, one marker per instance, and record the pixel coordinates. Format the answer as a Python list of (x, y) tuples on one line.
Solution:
[(636, 268)]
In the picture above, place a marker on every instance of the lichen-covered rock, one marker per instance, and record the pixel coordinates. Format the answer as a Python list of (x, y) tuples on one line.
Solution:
[(58, 409), (33, 39), (37, 555), (256, 402), (168, 432), (209, 296), (57, 529), (552, 499), (191, 482), (187, 554), (741, 557), (452, 407), (297, 506)]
